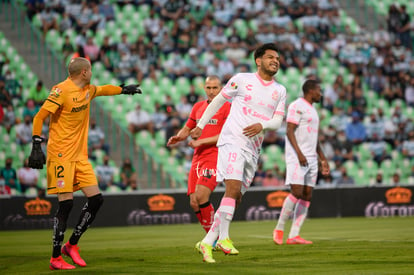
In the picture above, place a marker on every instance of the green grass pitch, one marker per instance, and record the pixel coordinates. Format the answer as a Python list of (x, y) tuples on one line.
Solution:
[(341, 246)]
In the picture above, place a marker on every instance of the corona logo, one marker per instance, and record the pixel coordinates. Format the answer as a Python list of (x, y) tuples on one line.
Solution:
[(276, 199), (398, 195), (161, 203), (38, 207)]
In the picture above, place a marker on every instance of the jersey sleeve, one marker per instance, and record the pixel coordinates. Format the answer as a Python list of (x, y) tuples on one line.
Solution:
[(192, 120), (105, 90), (280, 109), (294, 113), (54, 101), (231, 88)]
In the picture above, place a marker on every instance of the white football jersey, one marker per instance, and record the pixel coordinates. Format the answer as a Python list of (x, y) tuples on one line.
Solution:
[(253, 100), (303, 114)]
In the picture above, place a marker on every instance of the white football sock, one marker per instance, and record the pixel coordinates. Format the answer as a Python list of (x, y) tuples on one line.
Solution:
[(301, 210), (287, 209)]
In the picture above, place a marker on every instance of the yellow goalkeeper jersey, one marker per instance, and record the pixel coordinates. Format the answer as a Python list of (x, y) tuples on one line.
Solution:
[(69, 122)]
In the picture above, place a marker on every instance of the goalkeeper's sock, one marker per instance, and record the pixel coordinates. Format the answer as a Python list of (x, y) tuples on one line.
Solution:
[(87, 216), (207, 215), (301, 210), (59, 225), (287, 209)]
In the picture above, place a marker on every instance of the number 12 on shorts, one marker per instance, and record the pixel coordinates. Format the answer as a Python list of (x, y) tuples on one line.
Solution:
[(59, 171)]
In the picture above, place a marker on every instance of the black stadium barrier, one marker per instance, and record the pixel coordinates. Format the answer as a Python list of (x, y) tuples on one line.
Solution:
[(172, 207)]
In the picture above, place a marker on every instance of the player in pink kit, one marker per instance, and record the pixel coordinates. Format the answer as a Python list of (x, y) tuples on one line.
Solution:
[(258, 103), (302, 151), (202, 177)]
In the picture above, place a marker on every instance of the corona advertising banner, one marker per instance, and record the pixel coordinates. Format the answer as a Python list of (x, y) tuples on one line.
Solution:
[(173, 207)]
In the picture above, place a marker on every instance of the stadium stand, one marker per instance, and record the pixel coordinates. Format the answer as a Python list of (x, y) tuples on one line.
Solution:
[(318, 39)]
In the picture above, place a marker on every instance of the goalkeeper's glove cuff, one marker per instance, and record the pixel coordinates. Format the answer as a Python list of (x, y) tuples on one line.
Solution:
[(37, 139), (130, 89)]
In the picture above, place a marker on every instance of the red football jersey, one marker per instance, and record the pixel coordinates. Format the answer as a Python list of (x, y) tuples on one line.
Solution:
[(212, 128)]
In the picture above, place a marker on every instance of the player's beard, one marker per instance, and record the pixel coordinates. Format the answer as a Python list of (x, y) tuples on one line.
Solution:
[(268, 70)]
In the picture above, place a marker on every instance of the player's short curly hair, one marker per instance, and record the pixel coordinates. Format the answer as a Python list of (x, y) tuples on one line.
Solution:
[(310, 84), (260, 51)]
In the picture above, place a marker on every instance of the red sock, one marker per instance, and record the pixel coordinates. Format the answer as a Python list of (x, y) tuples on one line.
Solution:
[(207, 214), (198, 215)]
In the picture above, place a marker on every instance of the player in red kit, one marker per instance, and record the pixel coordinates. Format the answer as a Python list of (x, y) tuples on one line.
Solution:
[(202, 177)]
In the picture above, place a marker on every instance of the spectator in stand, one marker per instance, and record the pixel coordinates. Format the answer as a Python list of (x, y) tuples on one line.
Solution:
[(13, 86), (27, 176), (5, 97), (379, 179), (9, 119), (4, 189), (107, 10), (91, 49), (33, 7), (359, 102), (139, 120), (339, 120), (38, 93), (183, 108), (173, 10), (409, 93), (355, 131), (65, 23), (270, 179), (159, 118), (105, 51), (49, 20), (9, 174), (395, 179), (97, 20), (345, 179), (30, 109), (345, 147), (67, 47), (24, 131), (123, 69), (374, 126), (407, 147), (105, 174), (192, 96), (326, 181), (128, 174), (96, 139), (403, 32), (378, 149)]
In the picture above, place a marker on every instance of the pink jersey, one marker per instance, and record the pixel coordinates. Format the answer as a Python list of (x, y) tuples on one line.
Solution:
[(253, 100), (303, 114), (212, 128)]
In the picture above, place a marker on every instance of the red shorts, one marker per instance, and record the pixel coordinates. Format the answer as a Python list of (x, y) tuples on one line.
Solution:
[(203, 171)]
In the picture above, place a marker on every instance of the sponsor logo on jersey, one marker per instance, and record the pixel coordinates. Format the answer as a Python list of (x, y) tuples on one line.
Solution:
[(249, 87), (80, 108), (56, 92)]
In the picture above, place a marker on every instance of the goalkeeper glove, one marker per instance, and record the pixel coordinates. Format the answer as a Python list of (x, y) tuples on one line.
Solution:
[(37, 157), (131, 89)]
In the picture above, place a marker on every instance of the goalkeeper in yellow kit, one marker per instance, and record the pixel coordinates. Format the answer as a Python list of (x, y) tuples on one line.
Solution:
[(68, 168)]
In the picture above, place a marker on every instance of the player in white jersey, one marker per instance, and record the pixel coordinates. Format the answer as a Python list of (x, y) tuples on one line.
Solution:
[(258, 103), (302, 151)]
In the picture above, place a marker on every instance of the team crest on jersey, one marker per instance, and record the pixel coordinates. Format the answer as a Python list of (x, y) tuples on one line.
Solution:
[(56, 92), (60, 184), (233, 85), (275, 95)]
